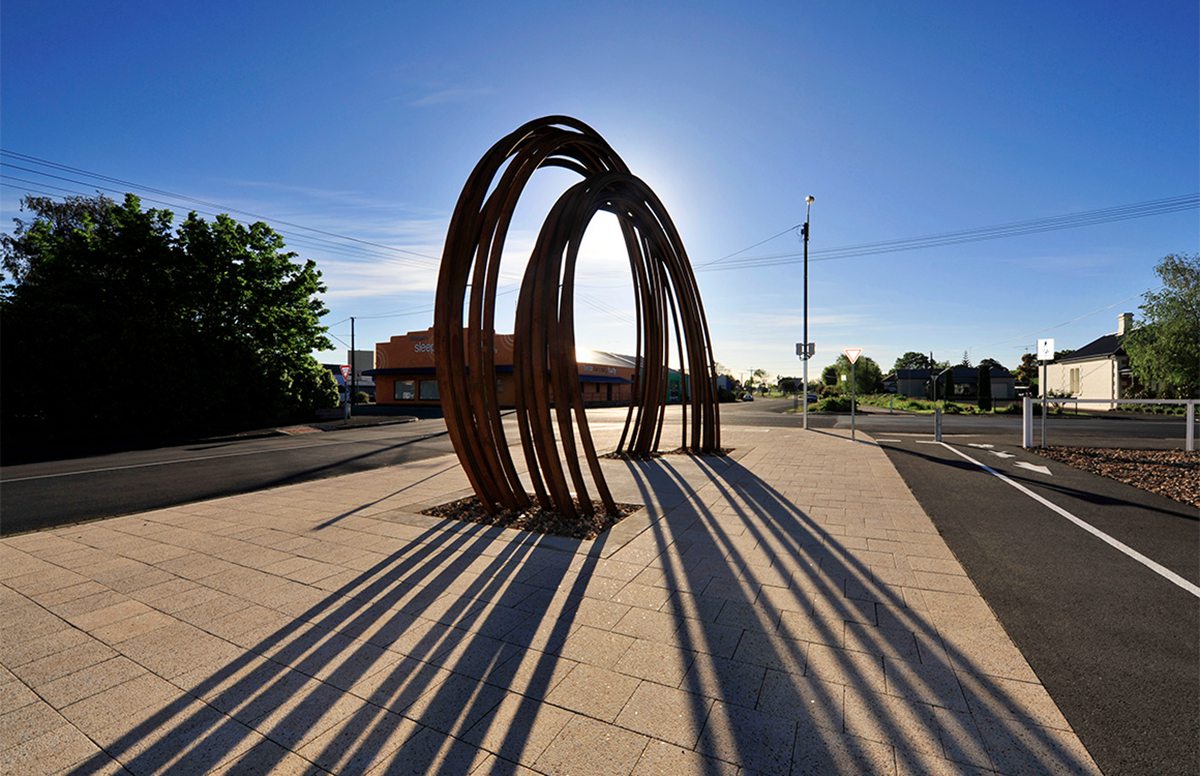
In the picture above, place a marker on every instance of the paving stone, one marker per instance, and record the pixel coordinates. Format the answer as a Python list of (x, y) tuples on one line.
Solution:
[(455, 705), (820, 753), (661, 758), (355, 747), (806, 699), (646, 624), (88, 681), (749, 738), (597, 692), (774, 652), (662, 663), (587, 747), (519, 729), (595, 647), (732, 681), (50, 752), (666, 714)]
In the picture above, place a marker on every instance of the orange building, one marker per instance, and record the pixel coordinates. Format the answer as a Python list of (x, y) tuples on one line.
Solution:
[(405, 372)]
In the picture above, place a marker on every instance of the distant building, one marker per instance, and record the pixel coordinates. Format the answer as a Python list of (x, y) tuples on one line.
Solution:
[(1098, 370), (405, 373), (917, 383)]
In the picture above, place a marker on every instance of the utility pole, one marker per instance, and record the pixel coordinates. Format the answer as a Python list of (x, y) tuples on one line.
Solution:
[(353, 371), (808, 202)]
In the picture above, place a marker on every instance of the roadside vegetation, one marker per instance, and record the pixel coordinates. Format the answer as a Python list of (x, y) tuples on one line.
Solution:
[(151, 331)]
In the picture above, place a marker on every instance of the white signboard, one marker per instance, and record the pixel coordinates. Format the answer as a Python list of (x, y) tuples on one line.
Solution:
[(853, 354), (1045, 350)]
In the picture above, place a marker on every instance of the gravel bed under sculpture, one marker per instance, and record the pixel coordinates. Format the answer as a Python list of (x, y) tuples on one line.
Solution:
[(535, 518)]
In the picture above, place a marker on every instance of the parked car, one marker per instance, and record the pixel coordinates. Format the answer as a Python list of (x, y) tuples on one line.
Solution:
[(747, 396)]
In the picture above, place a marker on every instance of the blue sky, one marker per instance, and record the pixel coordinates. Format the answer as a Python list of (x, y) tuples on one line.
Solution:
[(903, 120)]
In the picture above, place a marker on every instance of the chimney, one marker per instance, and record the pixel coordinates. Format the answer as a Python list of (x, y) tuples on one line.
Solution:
[(1124, 324)]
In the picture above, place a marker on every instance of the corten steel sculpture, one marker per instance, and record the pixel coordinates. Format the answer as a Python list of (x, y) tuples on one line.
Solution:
[(544, 364)]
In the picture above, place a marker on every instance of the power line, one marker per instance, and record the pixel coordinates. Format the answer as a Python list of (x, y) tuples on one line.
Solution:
[(99, 176), (1014, 229), (294, 240)]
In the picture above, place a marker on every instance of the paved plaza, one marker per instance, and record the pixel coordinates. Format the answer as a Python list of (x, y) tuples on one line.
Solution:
[(788, 608)]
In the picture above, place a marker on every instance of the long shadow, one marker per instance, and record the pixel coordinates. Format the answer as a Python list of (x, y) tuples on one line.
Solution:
[(407, 631), (1083, 495), (787, 647)]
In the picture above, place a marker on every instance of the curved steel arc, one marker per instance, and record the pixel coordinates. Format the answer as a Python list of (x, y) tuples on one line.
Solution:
[(547, 392)]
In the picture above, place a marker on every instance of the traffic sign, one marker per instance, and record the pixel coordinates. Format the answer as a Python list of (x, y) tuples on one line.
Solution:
[(345, 372), (853, 354), (1045, 350)]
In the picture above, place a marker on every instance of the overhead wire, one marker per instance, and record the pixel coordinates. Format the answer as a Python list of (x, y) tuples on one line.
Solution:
[(187, 198), (1013, 229)]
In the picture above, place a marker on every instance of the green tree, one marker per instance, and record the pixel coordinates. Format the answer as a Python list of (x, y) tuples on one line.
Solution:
[(1164, 351), (1027, 372), (156, 332), (984, 387), (912, 360), (829, 375), (868, 378), (966, 360)]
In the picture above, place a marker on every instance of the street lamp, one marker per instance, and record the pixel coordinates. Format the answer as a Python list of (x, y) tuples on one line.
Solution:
[(808, 201)]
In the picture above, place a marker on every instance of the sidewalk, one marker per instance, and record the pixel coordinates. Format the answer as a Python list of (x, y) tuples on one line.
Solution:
[(786, 609)]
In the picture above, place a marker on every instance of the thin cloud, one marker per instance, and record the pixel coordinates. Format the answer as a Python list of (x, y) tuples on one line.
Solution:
[(453, 95)]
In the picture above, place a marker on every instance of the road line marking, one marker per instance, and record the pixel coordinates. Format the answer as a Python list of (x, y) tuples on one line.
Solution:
[(1154, 566), (928, 442), (1001, 454), (887, 440), (976, 444), (1033, 468)]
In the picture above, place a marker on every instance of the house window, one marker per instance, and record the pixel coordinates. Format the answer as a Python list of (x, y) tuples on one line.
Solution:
[(429, 390), (1074, 377), (405, 390)]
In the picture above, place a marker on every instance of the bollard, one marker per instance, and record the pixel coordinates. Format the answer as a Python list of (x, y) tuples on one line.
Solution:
[(1190, 444), (1027, 422), (937, 424)]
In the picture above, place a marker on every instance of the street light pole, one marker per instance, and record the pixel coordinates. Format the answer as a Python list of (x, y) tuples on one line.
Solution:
[(808, 201)]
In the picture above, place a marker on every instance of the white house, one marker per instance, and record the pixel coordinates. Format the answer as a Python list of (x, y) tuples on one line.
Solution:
[(1098, 370)]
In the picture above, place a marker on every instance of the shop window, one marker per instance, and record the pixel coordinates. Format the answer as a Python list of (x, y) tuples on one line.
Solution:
[(429, 390), (405, 390)]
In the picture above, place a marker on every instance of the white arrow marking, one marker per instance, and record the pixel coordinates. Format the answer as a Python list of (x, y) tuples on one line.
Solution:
[(1001, 454), (982, 447), (1033, 468)]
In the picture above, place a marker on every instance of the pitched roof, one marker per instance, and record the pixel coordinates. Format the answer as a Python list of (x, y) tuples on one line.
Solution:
[(1105, 347)]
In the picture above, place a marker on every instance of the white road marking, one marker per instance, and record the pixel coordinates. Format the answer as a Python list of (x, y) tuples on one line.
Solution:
[(1154, 566), (928, 442), (1034, 468), (1001, 454), (887, 440), (984, 447)]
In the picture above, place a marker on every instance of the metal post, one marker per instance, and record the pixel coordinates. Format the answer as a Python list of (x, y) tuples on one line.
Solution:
[(1027, 422), (353, 371), (937, 424), (1190, 444), (1045, 394), (808, 201), (853, 438)]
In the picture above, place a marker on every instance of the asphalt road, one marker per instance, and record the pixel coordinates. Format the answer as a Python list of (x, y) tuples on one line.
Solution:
[(1114, 642), (41, 495)]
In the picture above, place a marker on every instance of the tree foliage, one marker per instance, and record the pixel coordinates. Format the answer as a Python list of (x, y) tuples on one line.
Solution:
[(912, 360), (1164, 351), (868, 378), (983, 390), (149, 332)]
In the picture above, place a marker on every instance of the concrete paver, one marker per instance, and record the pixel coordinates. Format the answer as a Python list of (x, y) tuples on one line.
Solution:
[(785, 609)]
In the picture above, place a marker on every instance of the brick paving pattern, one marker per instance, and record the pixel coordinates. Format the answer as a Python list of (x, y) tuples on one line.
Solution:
[(787, 609)]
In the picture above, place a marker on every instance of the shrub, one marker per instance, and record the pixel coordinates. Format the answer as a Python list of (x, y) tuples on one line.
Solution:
[(834, 404)]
